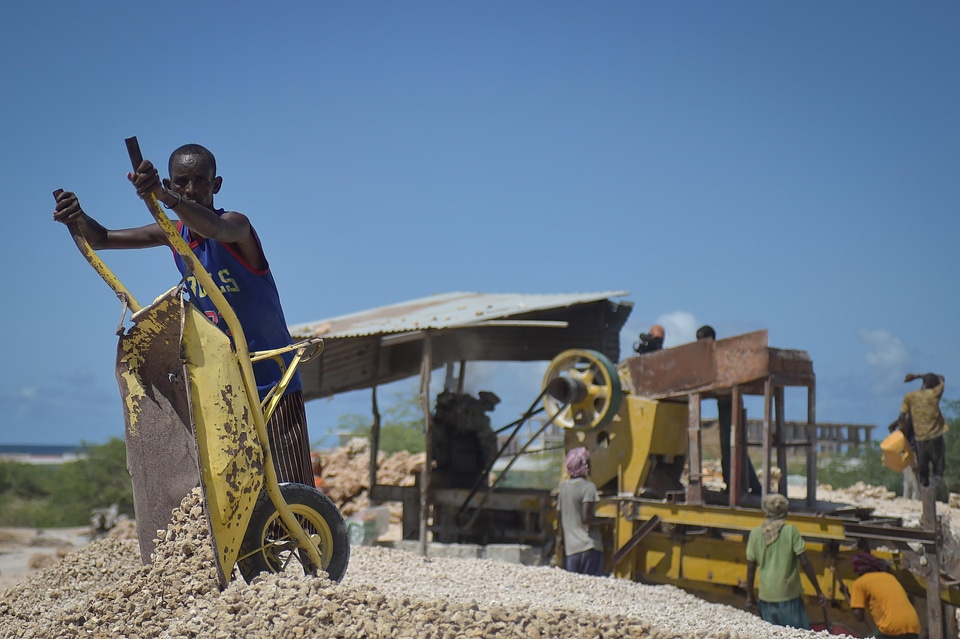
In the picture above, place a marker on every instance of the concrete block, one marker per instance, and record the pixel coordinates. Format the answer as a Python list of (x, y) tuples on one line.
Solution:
[(457, 551), (514, 553)]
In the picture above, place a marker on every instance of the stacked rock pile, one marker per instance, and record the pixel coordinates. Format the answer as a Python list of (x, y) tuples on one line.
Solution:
[(346, 471)]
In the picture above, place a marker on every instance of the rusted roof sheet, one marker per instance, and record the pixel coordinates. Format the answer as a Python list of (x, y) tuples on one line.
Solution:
[(447, 310), (385, 344)]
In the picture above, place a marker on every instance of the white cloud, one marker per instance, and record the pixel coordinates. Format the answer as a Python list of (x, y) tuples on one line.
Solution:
[(679, 327), (886, 356)]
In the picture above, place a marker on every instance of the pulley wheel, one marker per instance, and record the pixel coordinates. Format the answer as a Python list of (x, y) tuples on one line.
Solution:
[(589, 382)]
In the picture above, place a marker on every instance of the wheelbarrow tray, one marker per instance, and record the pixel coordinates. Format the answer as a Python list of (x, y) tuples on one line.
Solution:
[(186, 416)]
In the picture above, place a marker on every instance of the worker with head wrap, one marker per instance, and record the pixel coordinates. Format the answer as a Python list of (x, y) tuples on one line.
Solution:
[(777, 548), (882, 593), (582, 542)]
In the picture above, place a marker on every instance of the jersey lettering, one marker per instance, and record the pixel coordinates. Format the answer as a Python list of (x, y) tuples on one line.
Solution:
[(228, 284)]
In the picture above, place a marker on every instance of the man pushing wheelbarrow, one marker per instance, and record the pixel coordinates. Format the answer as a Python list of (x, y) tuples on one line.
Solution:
[(210, 387)]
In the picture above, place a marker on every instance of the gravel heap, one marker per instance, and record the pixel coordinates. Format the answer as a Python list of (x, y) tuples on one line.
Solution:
[(102, 591), (346, 471)]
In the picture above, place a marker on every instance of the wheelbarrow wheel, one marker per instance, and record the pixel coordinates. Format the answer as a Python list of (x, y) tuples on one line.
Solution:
[(269, 546)]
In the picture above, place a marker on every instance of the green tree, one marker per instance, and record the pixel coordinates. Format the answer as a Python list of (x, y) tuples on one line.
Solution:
[(25, 481), (65, 495), (401, 425), (97, 480)]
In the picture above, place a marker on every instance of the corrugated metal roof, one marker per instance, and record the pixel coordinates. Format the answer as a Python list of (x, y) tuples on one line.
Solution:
[(448, 310)]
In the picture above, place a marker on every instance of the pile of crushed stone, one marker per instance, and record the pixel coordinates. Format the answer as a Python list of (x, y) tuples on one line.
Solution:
[(102, 591), (346, 471)]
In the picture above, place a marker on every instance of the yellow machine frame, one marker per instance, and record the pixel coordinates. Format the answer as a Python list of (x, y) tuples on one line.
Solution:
[(668, 538)]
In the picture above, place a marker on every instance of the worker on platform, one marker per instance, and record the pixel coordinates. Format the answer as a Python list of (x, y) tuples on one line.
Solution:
[(881, 592), (778, 551), (923, 409), (725, 419), (650, 342), (582, 541)]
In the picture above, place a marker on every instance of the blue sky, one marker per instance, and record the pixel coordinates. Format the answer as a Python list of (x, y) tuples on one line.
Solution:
[(788, 166)]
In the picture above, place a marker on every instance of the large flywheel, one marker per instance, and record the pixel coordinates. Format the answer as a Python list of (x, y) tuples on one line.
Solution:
[(584, 388)]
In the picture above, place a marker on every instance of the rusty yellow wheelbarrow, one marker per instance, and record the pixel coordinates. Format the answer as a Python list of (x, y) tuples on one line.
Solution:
[(194, 418)]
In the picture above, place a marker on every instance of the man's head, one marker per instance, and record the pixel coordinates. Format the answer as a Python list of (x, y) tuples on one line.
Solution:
[(864, 562), (775, 506), (193, 174), (706, 332), (930, 380), (578, 462), (657, 331)]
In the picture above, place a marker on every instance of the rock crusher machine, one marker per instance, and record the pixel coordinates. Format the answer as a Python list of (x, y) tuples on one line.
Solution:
[(641, 423), (193, 418)]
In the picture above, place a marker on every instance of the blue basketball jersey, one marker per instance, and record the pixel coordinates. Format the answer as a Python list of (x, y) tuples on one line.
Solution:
[(253, 296)]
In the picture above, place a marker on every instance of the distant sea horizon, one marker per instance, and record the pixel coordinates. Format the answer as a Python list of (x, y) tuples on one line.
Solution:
[(38, 449)]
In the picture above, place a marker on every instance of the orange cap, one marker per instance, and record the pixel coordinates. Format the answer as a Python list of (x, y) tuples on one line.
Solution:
[(656, 330)]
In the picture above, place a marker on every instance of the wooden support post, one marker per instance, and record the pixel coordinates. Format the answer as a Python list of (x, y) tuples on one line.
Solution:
[(767, 432), (426, 365), (694, 485), (949, 616), (781, 441), (738, 431), (374, 437), (811, 444), (928, 521), (375, 426), (448, 381)]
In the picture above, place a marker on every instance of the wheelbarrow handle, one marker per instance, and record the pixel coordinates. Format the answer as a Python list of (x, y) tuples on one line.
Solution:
[(127, 298), (133, 150)]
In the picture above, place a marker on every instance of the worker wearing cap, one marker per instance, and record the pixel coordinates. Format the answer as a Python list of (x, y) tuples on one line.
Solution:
[(778, 550), (882, 593)]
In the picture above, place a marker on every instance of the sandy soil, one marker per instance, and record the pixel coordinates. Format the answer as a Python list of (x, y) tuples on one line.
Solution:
[(24, 550)]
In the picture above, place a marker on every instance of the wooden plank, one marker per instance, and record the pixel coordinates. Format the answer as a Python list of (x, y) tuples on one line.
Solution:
[(694, 487), (637, 537)]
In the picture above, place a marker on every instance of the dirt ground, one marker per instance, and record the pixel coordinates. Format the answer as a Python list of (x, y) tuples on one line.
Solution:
[(24, 550)]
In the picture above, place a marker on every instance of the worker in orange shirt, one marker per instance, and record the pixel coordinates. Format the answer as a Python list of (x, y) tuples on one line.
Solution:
[(881, 592)]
